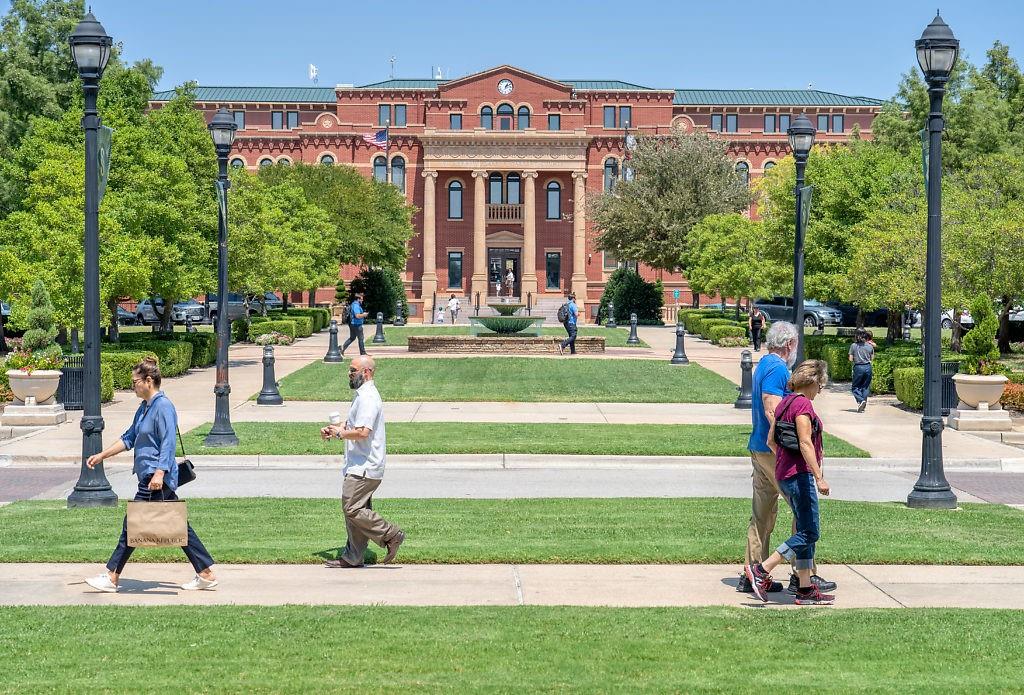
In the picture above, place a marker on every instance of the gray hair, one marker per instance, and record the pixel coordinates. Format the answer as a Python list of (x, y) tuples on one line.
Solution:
[(780, 335)]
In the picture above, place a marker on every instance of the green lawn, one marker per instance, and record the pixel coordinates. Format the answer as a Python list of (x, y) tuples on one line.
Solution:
[(530, 649), (303, 438), (614, 337), (522, 379), (616, 530)]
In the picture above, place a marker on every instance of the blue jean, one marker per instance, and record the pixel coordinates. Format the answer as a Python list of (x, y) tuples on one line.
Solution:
[(570, 342), (802, 495), (355, 332), (861, 382)]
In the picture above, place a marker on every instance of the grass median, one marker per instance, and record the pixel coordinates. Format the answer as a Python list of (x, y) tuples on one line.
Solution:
[(522, 379), (613, 337), (305, 649), (303, 439), (575, 530)]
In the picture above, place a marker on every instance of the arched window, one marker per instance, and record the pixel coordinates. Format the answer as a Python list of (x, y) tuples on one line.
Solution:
[(524, 118), (380, 169), (284, 162), (455, 200), (237, 162), (611, 173), (554, 192), (512, 195), (266, 161), (327, 160), (743, 171), (505, 117), (768, 165), (398, 173), (494, 189), (487, 118)]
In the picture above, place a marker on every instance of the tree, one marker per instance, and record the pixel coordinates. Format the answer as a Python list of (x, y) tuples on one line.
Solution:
[(678, 181)]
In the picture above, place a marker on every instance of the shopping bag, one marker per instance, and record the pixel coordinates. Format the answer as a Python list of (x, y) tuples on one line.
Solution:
[(157, 524)]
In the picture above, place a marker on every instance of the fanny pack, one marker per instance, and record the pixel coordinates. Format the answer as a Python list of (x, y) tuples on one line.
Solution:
[(785, 431)]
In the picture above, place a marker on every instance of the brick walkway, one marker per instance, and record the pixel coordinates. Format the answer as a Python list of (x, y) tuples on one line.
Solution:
[(23, 483)]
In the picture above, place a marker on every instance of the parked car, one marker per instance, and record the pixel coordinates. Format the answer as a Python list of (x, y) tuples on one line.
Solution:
[(191, 309), (236, 307), (269, 299), (965, 319), (878, 317), (815, 313), (125, 317), (146, 311)]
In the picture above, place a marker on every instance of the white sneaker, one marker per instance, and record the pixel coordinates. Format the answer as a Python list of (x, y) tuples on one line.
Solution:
[(200, 584), (101, 582)]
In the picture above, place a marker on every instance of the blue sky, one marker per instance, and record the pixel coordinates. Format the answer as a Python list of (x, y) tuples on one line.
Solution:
[(857, 48)]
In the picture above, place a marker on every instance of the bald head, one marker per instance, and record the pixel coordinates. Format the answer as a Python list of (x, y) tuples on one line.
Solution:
[(363, 362)]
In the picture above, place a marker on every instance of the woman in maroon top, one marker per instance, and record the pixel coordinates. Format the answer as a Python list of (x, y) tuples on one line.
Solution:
[(798, 470)]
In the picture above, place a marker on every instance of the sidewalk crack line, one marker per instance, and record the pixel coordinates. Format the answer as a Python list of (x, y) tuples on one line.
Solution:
[(883, 591), (519, 584)]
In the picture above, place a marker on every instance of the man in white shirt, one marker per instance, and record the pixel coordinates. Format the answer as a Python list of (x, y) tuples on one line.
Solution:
[(365, 453), (510, 281), (453, 308)]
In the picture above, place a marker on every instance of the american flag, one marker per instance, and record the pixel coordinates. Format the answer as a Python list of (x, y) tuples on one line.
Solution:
[(378, 139)]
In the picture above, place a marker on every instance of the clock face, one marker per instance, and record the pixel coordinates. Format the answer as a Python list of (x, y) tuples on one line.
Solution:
[(505, 87)]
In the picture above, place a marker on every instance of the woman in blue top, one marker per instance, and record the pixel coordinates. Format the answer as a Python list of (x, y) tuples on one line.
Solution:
[(152, 436)]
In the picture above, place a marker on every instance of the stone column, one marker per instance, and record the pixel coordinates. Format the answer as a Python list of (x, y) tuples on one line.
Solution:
[(579, 236), (529, 271), (479, 283), (429, 235)]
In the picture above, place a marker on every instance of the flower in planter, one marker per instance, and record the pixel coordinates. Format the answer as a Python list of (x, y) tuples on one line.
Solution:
[(29, 362)]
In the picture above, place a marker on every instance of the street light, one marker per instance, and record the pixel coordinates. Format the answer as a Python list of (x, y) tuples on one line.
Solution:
[(937, 51), (801, 140), (222, 130), (90, 49)]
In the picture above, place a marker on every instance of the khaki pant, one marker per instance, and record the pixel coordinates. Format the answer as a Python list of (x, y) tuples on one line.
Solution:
[(361, 522), (764, 508)]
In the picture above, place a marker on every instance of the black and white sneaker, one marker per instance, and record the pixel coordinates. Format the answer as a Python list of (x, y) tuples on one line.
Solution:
[(744, 586), (821, 584)]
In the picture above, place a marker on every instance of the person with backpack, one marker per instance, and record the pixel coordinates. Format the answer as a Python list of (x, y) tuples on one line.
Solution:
[(356, 317), (568, 315)]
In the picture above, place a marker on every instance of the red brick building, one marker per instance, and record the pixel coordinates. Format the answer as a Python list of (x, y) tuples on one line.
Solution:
[(500, 164)]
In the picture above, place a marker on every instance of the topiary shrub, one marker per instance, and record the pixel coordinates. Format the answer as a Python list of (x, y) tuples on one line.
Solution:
[(909, 384), (728, 336), (39, 349), (979, 345), (632, 294), (384, 289), (340, 293), (122, 362)]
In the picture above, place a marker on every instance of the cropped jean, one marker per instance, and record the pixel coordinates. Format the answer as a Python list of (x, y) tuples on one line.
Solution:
[(801, 493)]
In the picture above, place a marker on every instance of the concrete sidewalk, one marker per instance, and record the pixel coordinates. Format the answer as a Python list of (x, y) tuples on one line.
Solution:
[(860, 586)]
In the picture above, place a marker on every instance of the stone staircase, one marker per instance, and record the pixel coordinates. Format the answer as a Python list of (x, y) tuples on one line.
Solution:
[(546, 307)]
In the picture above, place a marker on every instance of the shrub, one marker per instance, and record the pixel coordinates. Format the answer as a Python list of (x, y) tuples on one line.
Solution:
[(240, 330), (1013, 396), (718, 333), (320, 318), (204, 345), (632, 294), (383, 288), (274, 338), (285, 327), (303, 324), (41, 334), (707, 324), (122, 362), (741, 341), (106, 384), (694, 324), (909, 383), (175, 355), (838, 359), (980, 342), (814, 344), (340, 293), (5, 386), (884, 366)]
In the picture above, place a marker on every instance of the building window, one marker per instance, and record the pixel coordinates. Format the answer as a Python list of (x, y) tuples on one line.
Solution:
[(625, 116), (487, 118), (837, 123), (284, 161), (455, 121), (523, 118), (494, 188), (398, 173), (784, 123), (455, 267), (380, 169), (731, 123), (554, 121), (743, 171), (455, 204), (277, 120), (768, 166), (609, 116), (399, 116), (505, 117), (237, 162), (239, 119), (383, 114), (769, 123), (716, 122), (553, 270), (554, 211), (293, 119), (512, 190), (822, 123), (611, 173), (266, 161), (610, 262), (327, 160)]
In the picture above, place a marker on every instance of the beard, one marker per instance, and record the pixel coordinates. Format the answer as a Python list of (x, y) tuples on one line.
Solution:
[(791, 359), (356, 380)]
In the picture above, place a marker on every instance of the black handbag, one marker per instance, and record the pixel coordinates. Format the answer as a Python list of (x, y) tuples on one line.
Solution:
[(186, 470), (785, 432)]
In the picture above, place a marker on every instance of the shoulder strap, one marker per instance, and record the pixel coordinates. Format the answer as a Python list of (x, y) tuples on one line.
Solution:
[(784, 410), (180, 440)]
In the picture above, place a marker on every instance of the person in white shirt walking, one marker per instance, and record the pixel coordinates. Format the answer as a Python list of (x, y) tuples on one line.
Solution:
[(365, 453), (453, 308)]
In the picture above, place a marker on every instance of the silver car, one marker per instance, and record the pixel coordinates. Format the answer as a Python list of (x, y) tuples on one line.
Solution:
[(191, 309)]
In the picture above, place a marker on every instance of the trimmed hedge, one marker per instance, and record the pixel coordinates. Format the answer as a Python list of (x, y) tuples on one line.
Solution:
[(303, 325), (909, 383), (838, 358), (240, 330), (175, 355), (321, 317), (694, 323), (717, 333), (106, 383), (122, 362), (707, 324), (204, 345), (285, 327)]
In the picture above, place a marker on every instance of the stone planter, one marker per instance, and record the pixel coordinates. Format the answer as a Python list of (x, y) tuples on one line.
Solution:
[(41, 384), (974, 389)]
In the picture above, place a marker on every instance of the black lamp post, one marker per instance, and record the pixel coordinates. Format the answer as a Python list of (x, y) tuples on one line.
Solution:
[(801, 139), (222, 130), (90, 49), (937, 51)]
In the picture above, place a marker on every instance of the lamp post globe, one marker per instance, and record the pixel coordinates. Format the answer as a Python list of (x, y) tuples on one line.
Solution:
[(90, 49), (801, 140), (222, 130), (937, 51)]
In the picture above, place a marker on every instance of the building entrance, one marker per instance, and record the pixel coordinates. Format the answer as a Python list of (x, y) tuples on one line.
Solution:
[(499, 262)]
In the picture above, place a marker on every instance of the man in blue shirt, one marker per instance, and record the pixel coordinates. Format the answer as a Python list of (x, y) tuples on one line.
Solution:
[(769, 385), (570, 327), (356, 317)]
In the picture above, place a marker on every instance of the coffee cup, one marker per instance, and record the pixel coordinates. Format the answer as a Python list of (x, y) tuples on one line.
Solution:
[(334, 418)]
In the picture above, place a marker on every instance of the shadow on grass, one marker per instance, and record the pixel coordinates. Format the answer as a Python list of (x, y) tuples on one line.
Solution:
[(370, 558)]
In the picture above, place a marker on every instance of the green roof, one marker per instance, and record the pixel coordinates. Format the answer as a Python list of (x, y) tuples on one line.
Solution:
[(606, 84), (277, 95), (403, 84), (768, 97), (398, 83)]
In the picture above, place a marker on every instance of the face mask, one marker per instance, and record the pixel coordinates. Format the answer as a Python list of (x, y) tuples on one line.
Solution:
[(356, 380)]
